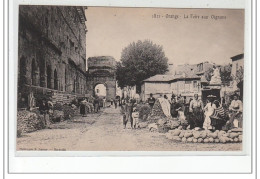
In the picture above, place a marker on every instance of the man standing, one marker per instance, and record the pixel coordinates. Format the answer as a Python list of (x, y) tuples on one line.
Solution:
[(104, 102), (44, 110), (130, 107), (96, 104), (175, 107), (115, 102), (151, 100), (197, 117)]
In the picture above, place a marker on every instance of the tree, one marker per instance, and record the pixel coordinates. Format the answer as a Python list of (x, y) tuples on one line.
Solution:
[(225, 74), (140, 60), (208, 74), (239, 77)]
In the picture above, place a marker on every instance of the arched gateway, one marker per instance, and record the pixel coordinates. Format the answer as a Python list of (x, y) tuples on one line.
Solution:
[(101, 71)]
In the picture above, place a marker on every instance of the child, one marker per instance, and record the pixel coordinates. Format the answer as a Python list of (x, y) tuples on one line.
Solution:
[(135, 117)]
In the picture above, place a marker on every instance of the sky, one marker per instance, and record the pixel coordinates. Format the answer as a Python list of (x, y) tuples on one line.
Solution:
[(185, 40)]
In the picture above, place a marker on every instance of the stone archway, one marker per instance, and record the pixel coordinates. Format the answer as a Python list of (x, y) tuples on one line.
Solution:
[(100, 90), (101, 70)]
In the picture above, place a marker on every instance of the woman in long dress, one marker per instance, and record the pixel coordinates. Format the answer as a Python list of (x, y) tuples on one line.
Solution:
[(209, 110), (83, 108), (236, 109)]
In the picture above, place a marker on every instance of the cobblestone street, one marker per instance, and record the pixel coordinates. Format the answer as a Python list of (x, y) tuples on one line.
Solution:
[(104, 131)]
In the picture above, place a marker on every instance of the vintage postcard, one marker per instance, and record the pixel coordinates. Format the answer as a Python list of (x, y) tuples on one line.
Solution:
[(130, 79)]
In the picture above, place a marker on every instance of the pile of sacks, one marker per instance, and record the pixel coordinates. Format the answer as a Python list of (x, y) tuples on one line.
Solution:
[(144, 111), (63, 112), (193, 136), (57, 116), (69, 111), (156, 113), (28, 121), (166, 124)]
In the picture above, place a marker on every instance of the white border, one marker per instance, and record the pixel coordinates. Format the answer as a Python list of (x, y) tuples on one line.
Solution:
[(178, 160)]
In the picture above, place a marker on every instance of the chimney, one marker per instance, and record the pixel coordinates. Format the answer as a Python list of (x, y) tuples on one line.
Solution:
[(171, 69)]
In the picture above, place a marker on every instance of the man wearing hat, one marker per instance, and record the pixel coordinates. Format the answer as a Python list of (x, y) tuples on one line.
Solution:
[(196, 109), (151, 100)]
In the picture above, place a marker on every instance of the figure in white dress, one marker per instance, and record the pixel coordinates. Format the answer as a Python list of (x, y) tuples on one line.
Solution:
[(209, 109)]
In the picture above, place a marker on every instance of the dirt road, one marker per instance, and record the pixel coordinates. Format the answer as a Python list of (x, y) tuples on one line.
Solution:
[(104, 132)]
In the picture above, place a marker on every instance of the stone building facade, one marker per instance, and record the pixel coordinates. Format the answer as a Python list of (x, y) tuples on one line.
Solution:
[(185, 85), (52, 52), (101, 70), (197, 69)]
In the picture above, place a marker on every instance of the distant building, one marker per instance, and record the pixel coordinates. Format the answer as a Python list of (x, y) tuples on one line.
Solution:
[(185, 68), (237, 63), (197, 69), (184, 85), (170, 69), (157, 85)]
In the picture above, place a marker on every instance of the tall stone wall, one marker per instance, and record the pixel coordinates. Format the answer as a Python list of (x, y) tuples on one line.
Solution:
[(52, 49)]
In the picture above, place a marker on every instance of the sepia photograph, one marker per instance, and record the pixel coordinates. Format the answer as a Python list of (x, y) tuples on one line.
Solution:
[(129, 79)]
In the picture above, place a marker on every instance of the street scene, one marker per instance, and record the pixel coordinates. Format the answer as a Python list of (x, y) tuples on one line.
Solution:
[(82, 133), (129, 79)]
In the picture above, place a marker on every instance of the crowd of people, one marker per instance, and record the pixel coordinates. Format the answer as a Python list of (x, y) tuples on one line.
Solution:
[(215, 114), (85, 106), (130, 112)]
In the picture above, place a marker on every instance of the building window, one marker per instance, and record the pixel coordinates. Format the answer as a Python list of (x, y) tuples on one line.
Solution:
[(33, 72), (42, 72), (22, 71), (49, 77), (56, 85), (187, 82), (65, 79), (195, 84)]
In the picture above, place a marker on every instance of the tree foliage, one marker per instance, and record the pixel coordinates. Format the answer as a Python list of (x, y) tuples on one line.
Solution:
[(208, 74), (140, 60), (239, 75), (225, 74)]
